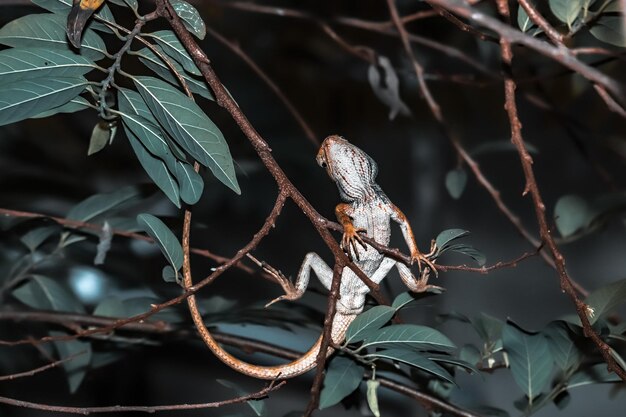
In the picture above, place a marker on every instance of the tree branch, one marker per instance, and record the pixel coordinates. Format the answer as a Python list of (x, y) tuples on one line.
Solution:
[(532, 188)]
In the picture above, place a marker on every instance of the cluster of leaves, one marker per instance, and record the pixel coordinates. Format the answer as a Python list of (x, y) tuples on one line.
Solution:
[(41, 75), (545, 365), (602, 17)]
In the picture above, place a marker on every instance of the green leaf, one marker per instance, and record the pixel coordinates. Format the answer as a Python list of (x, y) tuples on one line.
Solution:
[(566, 10), (190, 127), (63, 7), (470, 354), (169, 275), (447, 236), (490, 330), (131, 102), (415, 359), (48, 31), (173, 48), (35, 237), (156, 169), (81, 354), (101, 203), (78, 103), (610, 29), (164, 237), (613, 7), (596, 374), (26, 98), (343, 376), (571, 214), (111, 307), (372, 396), (456, 180), (421, 337), (402, 300), (43, 293), (191, 183), (523, 21), (147, 132), (368, 322), (100, 137), (451, 360), (133, 4), (191, 18), (152, 61), (530, 360), (24, 63), (473, 253), (604, 300), (561, 344), (258, 406)]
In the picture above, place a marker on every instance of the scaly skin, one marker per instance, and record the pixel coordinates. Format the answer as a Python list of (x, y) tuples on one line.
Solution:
[(366, 209)]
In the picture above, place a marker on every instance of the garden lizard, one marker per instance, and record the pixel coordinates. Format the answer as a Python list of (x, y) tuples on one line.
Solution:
[(366, 209)]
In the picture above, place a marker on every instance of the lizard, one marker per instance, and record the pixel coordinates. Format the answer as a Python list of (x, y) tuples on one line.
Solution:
[(365, 209)]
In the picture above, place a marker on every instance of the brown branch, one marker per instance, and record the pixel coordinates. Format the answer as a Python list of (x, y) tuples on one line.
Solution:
[(360, 24), (236, 49), (460, 24), (158, 326), (75, 224), (540, 21), (456, 143), (532, 188), (333, 296), (429, 402), (557, 53), (40, 369), (398, 255), (241, 342), (136, 408)]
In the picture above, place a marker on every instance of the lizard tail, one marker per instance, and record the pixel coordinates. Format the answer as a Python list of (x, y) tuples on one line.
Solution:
[(301, 365)]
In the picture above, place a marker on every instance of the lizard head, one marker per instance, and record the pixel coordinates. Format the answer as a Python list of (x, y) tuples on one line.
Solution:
[(353, 170)]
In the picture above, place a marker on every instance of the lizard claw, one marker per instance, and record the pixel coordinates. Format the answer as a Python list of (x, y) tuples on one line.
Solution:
[(423, 286), (420, 257), (291, 293), (350, 239)]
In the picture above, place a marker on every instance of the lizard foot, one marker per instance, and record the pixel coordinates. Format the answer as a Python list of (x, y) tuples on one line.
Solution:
[(425, 258), (423, 286), (350, 238), (291, 293)]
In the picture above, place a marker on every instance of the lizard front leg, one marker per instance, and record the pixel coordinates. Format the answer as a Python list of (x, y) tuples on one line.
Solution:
[(416, 256), (312, 261), (350, 233)]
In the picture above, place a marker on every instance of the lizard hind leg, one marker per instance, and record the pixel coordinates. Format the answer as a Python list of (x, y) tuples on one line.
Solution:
[(312, 261), (417, 285)]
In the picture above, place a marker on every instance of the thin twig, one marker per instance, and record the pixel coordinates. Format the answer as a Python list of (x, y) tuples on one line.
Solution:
[(40, 369), (361, 24), (511, 35), (532, 188), (138, 408), (333, 296), (540, 21), (75, 224)]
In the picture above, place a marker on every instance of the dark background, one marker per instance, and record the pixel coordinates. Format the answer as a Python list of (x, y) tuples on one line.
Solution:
[(44, 168)]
